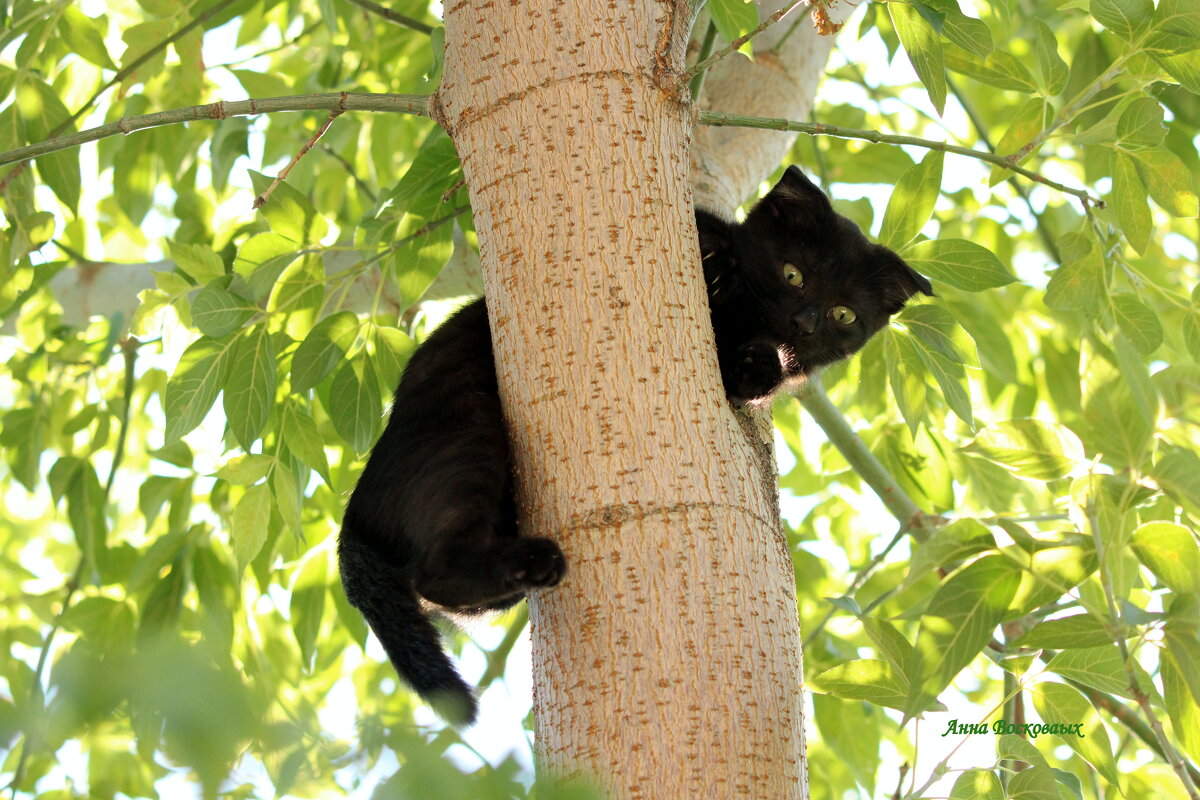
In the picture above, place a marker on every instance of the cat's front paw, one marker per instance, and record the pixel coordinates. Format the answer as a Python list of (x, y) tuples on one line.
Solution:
[(755, 372), (536, 562)]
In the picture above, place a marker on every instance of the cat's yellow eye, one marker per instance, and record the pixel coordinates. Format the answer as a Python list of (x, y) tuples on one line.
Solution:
[(792, 275), (843, 315)]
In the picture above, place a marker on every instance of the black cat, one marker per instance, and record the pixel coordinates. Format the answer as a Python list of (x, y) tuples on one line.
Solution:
[(794, 287)]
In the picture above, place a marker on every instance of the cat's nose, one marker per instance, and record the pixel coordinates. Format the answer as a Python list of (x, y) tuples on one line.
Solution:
[(806, 320)]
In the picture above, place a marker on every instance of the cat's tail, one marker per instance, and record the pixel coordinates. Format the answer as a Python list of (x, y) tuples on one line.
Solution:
[(384, 595)]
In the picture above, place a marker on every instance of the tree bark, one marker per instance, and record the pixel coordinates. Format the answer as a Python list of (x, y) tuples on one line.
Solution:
[(667, 664), (728, 164)]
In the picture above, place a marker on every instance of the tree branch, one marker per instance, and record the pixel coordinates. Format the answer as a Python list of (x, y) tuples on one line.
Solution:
[(392, 16), (821, 129), (863, 461), (334, 101)]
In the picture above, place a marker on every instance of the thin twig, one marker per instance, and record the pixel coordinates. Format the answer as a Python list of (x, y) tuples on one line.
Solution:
[(710, 38), (719, 118), (346, 101), (859, 579), (392, 16), (1127, 717), (263, 53), (261, 200), (359, 182), (700, 66)]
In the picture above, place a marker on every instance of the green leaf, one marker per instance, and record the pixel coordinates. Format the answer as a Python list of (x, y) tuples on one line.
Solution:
[(924, 50), (1098, 667), (288, 212), (852, 728), (85, 512), (950, 546), (1048, 573), (434, 169), (262, 84), (420, 256), (325, 346), (102, 619), (1125, 18), (906, 374), (977, 784), (1178, 472), (1081, 283), (1029, 120), (912, 200), (1128, 200), (391, 351), (308, 603), (1001, 70), (230, 141), (1030, 448), (287, 497), (85, 36), (959, 263), (42, 111), (1178, 17), (193, 387), (1191, 333), (1141, 124), (1058, 704), (1183, 643), (866, 679), (733, 18), (299, 434), (261, 260), (1170, 552), (1050, 64), (1184, 67), (199, 261), (248, 524), (958, 622), (355, 405), (1168, 179), (1182, 707), (970, 34), (951, 379), (250, 385), (937, 330), (890, 643), (244, 470), (1079, 630), (216, 311)]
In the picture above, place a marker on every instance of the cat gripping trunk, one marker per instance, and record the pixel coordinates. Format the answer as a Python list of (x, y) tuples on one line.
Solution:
[(384, 595), (433, 515), (794, 287)]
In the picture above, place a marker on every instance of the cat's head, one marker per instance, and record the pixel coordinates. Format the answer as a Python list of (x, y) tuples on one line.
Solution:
[(800, 274)]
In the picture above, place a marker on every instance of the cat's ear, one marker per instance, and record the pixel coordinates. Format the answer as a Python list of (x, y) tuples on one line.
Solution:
[(797, 201), (900, 281)]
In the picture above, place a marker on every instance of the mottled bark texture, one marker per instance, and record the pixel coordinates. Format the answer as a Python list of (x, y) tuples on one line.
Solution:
[(667, 664)]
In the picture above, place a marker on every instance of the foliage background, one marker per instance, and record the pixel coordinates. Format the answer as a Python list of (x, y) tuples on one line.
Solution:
[(174, 467)]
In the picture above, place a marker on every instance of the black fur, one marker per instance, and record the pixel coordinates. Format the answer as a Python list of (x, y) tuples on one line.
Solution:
[(433, 514)]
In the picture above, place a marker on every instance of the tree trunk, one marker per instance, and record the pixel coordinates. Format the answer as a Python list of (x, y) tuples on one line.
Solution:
[(667, 664)]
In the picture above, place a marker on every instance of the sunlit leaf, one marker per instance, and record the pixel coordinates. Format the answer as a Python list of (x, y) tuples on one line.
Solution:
[(1030, 448)]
